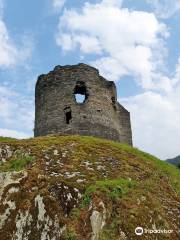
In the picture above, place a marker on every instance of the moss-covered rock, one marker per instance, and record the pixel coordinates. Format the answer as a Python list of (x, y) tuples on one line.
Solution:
[(76, 188)]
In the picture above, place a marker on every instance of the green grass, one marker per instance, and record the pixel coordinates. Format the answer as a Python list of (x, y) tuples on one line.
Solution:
[(113, 189), (90, 143), (128, 201), (75, 213), (70, 234), (18, 162), (171, 172), (7, 139), (86, 199), (166, 169), (110, 230)]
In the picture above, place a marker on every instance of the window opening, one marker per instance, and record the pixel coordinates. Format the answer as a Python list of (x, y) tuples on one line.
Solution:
[(80, 92), (80, 98), (68, 114), (113, 102)]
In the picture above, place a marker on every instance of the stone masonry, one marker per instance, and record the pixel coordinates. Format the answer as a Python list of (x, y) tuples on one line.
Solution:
[(58, 110)]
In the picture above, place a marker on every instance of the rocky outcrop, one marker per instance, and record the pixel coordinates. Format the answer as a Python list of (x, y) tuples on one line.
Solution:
[(83, 188)]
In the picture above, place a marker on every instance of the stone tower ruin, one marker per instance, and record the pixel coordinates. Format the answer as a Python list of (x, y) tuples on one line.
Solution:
[(58, 110)]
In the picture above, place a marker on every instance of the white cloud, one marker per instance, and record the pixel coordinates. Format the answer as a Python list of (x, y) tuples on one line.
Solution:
[(12, 133), (16, 110), (58, 4), (155, 123), (112, 2), (155, 120), (176, 79), (126, 42), (165, 8), (10, 53)]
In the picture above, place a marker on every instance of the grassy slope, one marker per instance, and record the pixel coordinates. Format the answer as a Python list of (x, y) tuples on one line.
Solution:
[(133, 182), (91, 143)]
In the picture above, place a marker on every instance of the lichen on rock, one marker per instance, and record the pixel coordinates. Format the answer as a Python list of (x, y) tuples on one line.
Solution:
[(59, 197)]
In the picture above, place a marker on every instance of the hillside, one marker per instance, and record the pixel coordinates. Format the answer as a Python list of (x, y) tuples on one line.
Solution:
[(82, 188), (175, 161)]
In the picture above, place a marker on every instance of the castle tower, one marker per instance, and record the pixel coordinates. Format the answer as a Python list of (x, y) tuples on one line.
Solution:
[(59, 109)]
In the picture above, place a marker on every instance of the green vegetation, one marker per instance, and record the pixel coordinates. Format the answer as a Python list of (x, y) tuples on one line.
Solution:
[(166, 169), (86, 199), (110, 230), (7, 139), (88, 144), (134, 186), (178, 166), (75, 213), (113, 189), (169, 171), (18, 162), (70, 234)]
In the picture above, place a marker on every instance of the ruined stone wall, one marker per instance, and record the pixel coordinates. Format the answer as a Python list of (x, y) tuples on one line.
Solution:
[(58, 112)]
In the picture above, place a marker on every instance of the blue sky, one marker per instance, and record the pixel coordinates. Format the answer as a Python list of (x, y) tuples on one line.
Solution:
[(133, 42)]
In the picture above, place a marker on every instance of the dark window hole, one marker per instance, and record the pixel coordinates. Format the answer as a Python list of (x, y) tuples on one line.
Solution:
[(113, 102), (68, 114)]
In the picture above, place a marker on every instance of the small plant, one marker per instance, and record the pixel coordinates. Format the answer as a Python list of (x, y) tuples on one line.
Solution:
[(18, 162), (110, 231), (70, 235), (75, 213), (85, 201), (113, 189), (115, 192)]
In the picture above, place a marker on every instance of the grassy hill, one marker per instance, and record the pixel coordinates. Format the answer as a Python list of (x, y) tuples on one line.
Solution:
[(175, 161), (81, 188)]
